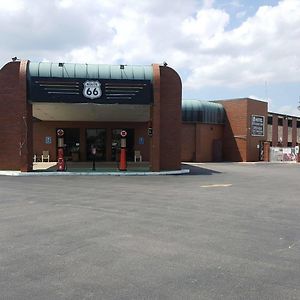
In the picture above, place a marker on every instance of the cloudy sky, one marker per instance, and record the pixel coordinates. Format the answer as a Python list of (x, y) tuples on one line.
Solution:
[(221, 48)]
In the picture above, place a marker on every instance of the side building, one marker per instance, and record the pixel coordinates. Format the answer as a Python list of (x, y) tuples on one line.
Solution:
[(224, 130), (283, 130)]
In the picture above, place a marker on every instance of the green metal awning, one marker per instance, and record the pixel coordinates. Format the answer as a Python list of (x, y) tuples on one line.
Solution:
[(89, 71), (202, 112)]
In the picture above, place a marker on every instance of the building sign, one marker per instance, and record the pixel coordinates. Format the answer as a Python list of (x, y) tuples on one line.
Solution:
[(257, 125), (92, 89), (77, 90)]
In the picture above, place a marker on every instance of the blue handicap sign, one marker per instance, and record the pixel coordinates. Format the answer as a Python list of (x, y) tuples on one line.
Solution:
[(48, 140), (141, 140)]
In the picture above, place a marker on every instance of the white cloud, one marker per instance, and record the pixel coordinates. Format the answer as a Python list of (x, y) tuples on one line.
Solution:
[(206, 25), (263, 48), (191, 35), (11, 7)]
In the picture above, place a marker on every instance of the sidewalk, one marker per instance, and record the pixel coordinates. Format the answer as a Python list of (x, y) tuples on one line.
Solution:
[(86, 169)]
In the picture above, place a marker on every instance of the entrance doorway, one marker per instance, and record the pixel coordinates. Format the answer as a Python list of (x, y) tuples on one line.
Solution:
[(116, 144), (71, 143), (96, 137)]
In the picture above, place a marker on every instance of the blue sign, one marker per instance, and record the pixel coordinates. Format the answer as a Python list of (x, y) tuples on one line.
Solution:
[(141, 140), (48, 140)]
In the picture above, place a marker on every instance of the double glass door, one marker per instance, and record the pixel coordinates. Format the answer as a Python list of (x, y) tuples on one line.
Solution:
[(96, 138)]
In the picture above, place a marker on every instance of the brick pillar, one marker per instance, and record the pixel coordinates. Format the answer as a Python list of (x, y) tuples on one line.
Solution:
[(166, 120), (266, 151), (155, 121), (285, 132), (15, 118), (275, 130), (26, 146), (294, 132)]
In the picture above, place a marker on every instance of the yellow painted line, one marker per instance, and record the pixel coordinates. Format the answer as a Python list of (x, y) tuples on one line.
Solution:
[(216, 185)]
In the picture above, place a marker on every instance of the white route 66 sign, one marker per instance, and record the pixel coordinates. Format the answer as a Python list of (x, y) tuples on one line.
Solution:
[(92, 89)]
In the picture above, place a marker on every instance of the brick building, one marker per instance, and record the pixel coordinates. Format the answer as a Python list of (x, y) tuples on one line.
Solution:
[(283, 130), (93, 103), (236, 134)]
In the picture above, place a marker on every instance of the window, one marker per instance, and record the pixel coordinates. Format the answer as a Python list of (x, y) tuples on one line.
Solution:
[(270, 120), (280, 121)]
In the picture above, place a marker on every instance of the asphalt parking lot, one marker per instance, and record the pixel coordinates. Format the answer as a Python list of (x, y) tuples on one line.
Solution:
[(226, 231)]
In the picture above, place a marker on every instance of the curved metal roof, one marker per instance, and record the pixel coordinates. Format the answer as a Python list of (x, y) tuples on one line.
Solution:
[(91, 71), (202, 112)]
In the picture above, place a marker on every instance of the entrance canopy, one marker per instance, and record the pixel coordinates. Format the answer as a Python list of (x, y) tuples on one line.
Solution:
[(91, 112), (90, 92)]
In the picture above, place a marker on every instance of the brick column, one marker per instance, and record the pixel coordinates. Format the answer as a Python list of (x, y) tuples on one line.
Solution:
[(166, 120), (26, 143), (15, 118), (294, 132), (285, 132), (155, 121), (266, 151), (275, 130)]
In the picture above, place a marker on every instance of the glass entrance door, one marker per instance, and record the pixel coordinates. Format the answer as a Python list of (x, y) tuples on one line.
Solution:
[(116, 144), (96, 137)]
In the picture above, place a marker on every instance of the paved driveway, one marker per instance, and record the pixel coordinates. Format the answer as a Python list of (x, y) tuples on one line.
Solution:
[(227, 231)]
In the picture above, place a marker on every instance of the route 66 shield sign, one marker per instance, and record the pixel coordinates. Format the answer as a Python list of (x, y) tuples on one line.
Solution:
[(92, 89)]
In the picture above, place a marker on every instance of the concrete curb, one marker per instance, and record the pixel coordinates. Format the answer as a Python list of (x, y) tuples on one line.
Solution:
[(18, 173)]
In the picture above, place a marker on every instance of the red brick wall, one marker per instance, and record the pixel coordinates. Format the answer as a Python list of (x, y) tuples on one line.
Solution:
[(255, 108), (166, 120), (188, 142), (15, 119), (206, 134), (235, 130), (43, 129), (198, 140), (239, 145)]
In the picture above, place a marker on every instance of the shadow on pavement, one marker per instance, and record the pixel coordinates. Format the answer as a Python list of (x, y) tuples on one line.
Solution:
[(197, 170)]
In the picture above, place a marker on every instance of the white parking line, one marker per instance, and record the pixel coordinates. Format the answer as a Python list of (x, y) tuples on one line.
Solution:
[(216, 185)]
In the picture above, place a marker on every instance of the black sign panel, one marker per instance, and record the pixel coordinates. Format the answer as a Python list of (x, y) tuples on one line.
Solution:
[(257, 125), (99, 91)]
